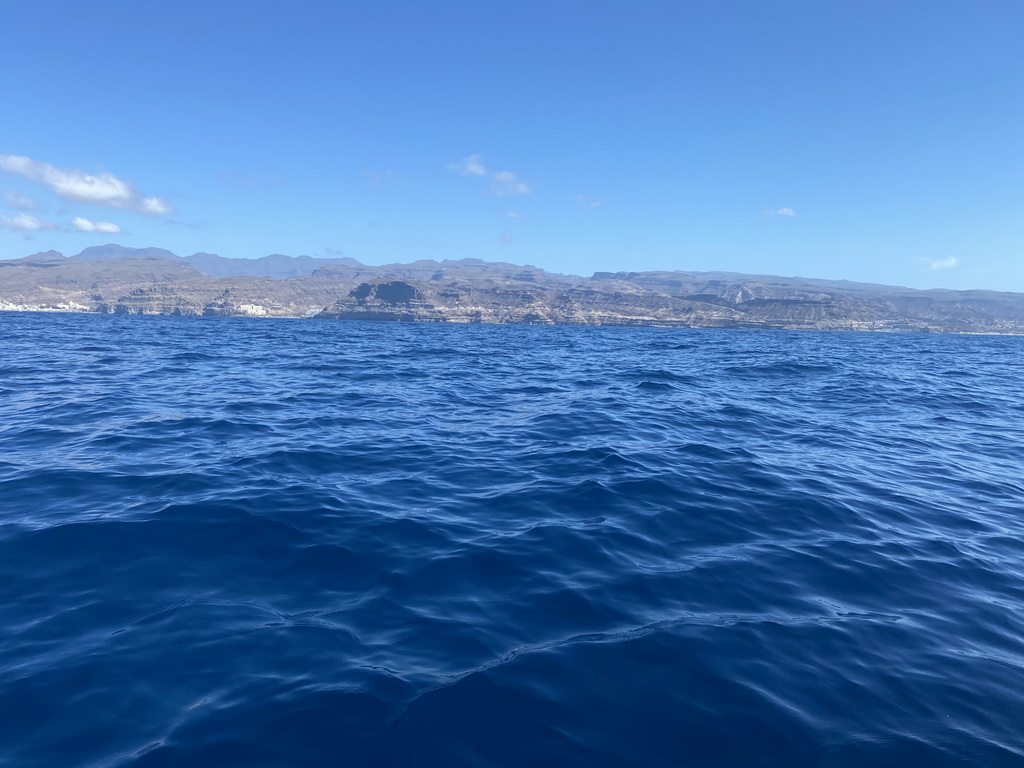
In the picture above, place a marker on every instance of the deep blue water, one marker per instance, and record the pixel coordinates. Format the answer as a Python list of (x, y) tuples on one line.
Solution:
[(303, 543)]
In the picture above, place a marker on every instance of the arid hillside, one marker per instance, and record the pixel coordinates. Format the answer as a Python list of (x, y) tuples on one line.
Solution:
[(118, 280)]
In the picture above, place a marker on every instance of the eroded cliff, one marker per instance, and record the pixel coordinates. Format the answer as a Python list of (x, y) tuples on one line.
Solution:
[(118, 280)]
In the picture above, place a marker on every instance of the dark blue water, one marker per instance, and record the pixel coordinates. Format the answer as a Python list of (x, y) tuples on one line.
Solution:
[(301, 543)]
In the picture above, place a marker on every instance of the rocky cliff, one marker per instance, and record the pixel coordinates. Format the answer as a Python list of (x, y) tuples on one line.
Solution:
[(114, 279)]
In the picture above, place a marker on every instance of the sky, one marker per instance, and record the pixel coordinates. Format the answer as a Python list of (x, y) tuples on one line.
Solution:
[(867, 140)]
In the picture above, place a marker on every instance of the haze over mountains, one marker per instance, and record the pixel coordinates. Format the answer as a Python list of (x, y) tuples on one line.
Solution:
[(119, 280), (275, 265)]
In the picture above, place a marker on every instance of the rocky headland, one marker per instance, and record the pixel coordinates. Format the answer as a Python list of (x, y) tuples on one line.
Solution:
[(118, 280)]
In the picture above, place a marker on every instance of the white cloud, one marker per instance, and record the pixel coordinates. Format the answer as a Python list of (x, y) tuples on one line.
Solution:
[(943, 263), (18, 201), (154, 206), (505, 239), (99, 189), (104, 188), (502, 183), (508, 183), (469, 166), (597, 204), (783, 212), (104, 227), (514, 215), (24, 223)]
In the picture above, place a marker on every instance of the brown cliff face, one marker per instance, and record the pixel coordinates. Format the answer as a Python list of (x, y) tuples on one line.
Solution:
[(510, 301), (153, 281)]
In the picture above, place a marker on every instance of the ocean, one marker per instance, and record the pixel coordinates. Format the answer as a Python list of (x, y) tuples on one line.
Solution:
[(230, 542)]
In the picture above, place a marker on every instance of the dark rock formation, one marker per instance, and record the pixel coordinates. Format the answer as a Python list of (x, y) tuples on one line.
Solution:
[(395, 292)]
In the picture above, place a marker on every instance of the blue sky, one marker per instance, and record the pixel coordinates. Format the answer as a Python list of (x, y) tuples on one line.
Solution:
[(862, 139)]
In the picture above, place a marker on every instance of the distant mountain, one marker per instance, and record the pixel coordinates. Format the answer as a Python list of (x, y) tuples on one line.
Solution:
[(115, 279), (276, 265), (46, 257), (103, 252), (428, 269)]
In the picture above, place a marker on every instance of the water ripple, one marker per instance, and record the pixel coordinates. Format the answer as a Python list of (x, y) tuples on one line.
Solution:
[(259, 543)]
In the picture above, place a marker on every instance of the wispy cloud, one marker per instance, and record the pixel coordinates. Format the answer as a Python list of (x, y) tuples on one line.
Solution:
[(383, 177), (154, 206), (103, 227), (187, 223), (18, 201), (591, 202), (943, 263), (503, 183), (22, 222), (508, 183), (782, 212), (247, 181), (74, 184), (505, 238), (239, 179), (469, 166), (514, 215)]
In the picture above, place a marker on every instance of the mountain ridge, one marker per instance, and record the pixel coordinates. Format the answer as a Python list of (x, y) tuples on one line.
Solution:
[(121, 280), (258, 267)]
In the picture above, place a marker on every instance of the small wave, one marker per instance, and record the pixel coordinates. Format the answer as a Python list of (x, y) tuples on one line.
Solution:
[(411, 545)]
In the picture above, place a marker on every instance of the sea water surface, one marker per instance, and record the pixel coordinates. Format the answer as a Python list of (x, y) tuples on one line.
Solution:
[(230, 542)]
